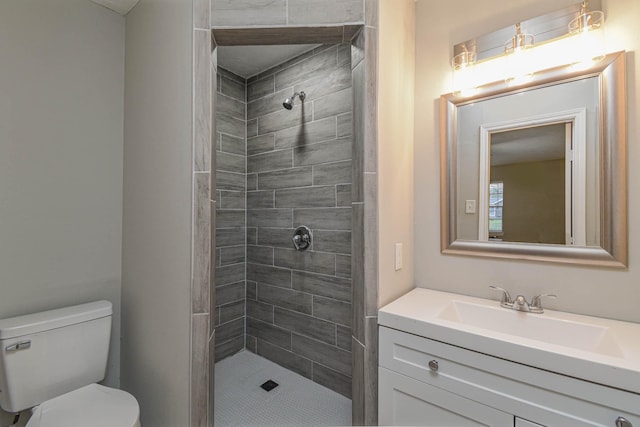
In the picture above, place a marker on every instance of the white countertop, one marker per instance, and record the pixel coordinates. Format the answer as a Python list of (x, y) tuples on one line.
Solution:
[(423, 312)]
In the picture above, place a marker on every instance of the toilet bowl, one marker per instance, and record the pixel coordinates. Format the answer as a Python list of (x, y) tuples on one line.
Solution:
[(50, 363)]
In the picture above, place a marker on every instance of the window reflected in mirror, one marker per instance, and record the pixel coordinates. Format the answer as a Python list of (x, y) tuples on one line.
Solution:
[(496, 204)]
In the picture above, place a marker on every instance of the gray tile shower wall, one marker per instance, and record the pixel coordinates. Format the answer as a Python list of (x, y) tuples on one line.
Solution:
[(299, 173), (230, 169), (275, 170)]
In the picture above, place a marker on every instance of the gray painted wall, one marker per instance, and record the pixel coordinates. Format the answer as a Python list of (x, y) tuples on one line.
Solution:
[(156, 268), (61, 125)]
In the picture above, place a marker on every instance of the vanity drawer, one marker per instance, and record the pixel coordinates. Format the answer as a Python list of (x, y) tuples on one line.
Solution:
[(408, 402), (537, 395)]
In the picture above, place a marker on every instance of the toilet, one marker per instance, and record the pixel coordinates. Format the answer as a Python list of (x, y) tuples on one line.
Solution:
[(51, 362)]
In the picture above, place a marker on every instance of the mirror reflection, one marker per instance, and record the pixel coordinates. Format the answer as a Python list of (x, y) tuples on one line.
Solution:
[(529, 162), (528, 193)]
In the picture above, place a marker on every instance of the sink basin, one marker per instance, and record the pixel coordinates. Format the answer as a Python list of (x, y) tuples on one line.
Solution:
[(539, 327)]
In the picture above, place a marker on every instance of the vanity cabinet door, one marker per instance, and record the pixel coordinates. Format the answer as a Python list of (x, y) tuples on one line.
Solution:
[(408, 402)]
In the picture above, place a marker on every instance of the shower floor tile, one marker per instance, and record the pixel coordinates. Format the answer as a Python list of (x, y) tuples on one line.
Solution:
[(296, 401)]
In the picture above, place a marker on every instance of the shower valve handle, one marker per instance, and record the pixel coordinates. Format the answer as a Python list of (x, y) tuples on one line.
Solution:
[(301, 238)]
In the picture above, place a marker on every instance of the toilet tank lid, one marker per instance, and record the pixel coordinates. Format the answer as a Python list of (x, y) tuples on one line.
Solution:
[(52, 319)]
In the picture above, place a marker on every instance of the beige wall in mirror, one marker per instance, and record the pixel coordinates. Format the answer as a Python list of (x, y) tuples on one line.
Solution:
[(530, 206), (596, 291)]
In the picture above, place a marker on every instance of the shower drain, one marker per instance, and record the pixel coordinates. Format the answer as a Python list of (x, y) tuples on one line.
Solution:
[(269, 385)]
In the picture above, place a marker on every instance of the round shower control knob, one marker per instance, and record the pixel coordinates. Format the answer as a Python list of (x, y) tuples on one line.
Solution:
[(301, 238)]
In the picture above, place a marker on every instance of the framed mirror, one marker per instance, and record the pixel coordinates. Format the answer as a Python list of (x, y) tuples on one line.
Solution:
[(538, 171)]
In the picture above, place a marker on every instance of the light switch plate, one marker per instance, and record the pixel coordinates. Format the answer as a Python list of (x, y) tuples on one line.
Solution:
[(398, 256), (470, 206)]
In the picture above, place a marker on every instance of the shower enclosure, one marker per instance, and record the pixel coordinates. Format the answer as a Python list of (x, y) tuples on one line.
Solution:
[(284, 144), (294, 300)]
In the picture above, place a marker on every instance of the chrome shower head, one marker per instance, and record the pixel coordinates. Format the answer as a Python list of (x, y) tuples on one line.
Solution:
[(288, 103)]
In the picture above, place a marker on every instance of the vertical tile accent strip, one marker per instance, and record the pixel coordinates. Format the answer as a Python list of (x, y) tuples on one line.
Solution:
[(212, 372), (213, 90), (202, 249), (357, 383), (201, 254), (201, 11), (357, 273), (364, 265), (202, 100), (370, 376), (199, 369)]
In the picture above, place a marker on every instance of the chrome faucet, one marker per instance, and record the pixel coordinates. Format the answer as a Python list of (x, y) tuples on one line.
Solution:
[(520, 302)]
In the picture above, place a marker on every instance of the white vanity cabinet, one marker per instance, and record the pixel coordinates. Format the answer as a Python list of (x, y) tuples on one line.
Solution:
[(432, 383)]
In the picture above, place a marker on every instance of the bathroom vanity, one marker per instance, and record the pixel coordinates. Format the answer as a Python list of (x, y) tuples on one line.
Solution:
[(453, 360)]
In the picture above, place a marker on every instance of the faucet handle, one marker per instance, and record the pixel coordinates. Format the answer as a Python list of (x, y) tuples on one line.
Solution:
[(537, 300), (506, 298)]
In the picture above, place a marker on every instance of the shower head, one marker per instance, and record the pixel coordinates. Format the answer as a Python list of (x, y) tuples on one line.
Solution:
[(288, 103)]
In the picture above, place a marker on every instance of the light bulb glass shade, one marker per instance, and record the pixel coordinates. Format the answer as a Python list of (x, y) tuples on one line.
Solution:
[(463, 74), (518, 42), (587, 21), (588, 30), (519, 63)]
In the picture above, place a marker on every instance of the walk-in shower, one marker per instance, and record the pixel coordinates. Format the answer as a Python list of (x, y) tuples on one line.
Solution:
[(286, 299), (288, 103)]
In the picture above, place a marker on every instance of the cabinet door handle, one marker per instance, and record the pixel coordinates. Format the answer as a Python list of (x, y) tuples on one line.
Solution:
[(433, 365), (623, 422)]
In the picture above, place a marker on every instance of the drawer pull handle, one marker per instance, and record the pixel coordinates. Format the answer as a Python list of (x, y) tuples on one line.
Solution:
[(433, 365), (22, 345), (623, 422)]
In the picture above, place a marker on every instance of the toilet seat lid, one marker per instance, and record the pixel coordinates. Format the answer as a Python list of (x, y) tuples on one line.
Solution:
[(90, 406)]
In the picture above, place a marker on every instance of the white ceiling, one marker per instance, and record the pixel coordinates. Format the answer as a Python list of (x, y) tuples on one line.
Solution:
[(533, 144), (120, 6), (247, 61)]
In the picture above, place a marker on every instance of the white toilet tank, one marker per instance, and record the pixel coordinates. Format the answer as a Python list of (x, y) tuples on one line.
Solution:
[(47, 354)]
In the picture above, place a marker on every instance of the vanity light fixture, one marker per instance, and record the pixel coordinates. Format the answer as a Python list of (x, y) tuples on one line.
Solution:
[(570, 37), (463, 70), (588, 30)]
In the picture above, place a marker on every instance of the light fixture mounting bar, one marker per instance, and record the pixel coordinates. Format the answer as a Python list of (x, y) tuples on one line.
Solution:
[(544, 27)]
